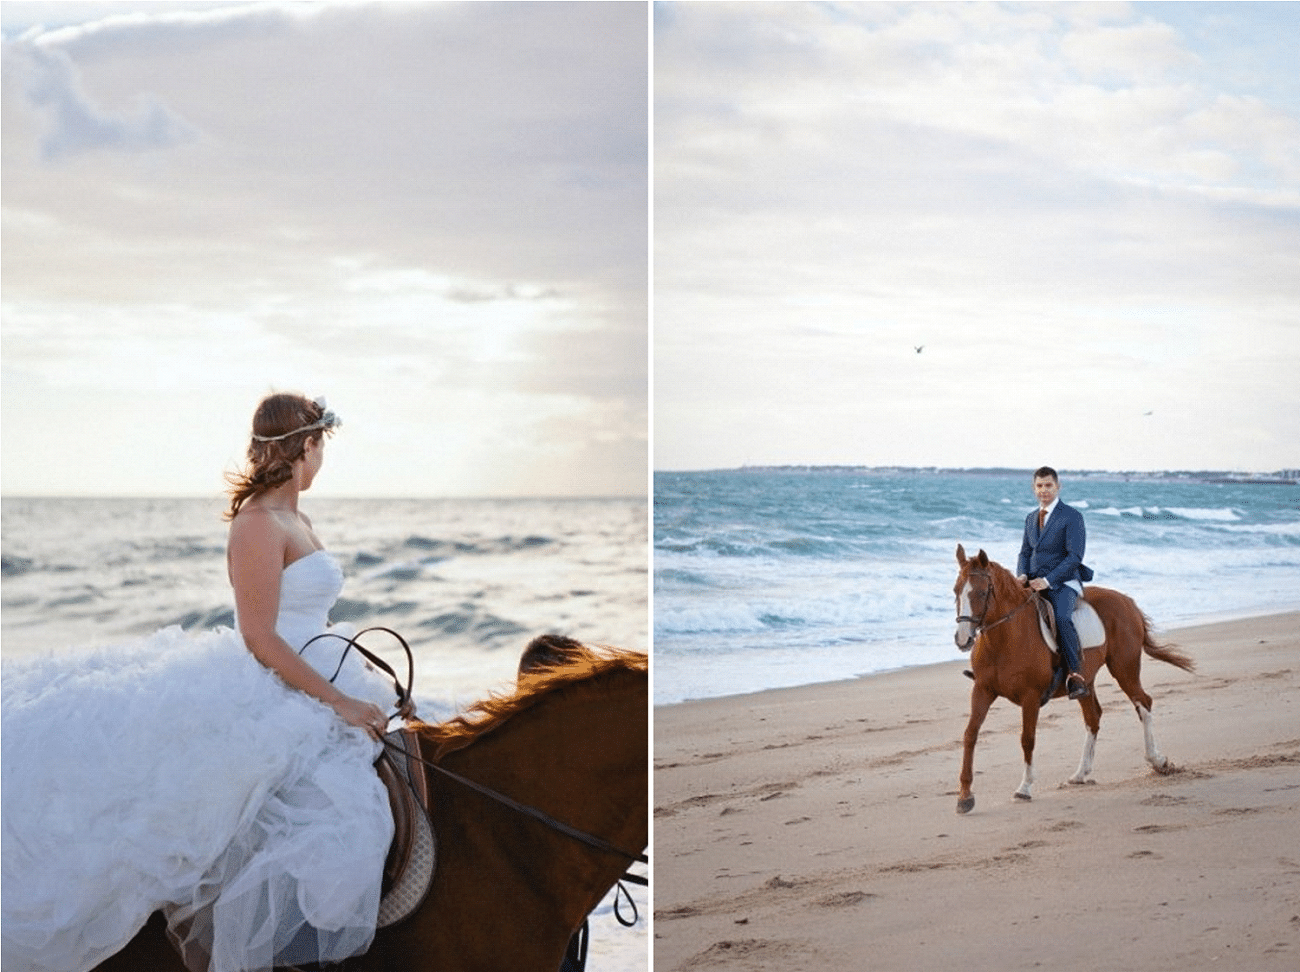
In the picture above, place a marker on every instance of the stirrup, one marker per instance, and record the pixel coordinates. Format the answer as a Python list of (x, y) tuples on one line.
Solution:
[(1082, 691)]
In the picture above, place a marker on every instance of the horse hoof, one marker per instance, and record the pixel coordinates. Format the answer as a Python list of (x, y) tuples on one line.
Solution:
[(966, 805), (1166, 768), (1023, 796)]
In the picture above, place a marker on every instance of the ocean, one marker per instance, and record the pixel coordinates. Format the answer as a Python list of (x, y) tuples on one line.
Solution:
[(467, 582), (767, 578)]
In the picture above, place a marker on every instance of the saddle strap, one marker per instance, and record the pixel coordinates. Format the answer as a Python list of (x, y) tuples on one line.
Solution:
[(412, 857), (408, 792), (1047, 613), (404, 811), (416, 777), (575, 956)]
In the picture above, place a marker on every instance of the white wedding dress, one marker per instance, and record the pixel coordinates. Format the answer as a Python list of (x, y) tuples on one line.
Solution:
[(178, 773)]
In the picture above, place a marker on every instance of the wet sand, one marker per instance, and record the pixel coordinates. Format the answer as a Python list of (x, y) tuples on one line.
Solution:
[(816, 828)]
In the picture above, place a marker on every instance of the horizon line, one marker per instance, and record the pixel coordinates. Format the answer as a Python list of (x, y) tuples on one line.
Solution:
[(90, 493), (1287, 472)]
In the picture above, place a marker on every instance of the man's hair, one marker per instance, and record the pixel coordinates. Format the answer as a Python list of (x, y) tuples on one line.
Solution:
[(1047, 472)]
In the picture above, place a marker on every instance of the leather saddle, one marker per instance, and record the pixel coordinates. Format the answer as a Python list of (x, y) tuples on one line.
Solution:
[(1087, 624), (412, 856)]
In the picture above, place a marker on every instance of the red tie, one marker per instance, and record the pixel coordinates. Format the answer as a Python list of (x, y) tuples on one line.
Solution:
[(1042, 518)]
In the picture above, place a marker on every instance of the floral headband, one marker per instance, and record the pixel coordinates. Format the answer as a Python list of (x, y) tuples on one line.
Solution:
[(327, 421)]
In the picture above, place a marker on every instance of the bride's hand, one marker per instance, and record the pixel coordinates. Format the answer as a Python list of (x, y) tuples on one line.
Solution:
[(407, 709), (363, 715)]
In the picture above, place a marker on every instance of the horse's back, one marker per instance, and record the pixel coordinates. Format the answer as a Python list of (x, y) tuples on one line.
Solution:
[(1129, 630), (1115, 608), (1097, 596)]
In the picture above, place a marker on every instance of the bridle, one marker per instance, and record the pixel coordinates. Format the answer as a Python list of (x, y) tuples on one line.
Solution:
[(404, 696), (977, 624)]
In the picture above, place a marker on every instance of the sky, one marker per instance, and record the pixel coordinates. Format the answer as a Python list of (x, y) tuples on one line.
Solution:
[(434, 215), (1086, 217)]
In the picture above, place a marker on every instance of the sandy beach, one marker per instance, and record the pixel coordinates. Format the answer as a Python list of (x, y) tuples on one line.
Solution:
[(816, 828)]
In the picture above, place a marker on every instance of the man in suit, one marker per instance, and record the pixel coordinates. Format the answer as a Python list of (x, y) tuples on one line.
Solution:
[(1051, 561)]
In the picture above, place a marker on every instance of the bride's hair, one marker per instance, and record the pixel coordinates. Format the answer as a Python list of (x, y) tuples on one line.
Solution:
[(282, 425)]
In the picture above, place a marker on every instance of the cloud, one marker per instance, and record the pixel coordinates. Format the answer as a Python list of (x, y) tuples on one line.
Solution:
[(1121, 54), (73, 123), (838, 183), (388, 130), (1107, 100), (96, 28), (419, 206)]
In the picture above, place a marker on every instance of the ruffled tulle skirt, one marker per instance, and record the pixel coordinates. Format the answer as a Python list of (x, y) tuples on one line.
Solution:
[(178, 773)]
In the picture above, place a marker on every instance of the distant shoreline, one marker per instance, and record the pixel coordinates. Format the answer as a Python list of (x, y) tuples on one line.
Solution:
[(1282, 477)]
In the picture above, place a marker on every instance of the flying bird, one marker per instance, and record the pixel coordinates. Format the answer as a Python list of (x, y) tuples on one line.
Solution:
[(920, 348)]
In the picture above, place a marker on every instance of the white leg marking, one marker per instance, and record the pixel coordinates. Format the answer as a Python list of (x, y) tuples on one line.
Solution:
[(1085, 761), (1154, 756), (1027, 783)]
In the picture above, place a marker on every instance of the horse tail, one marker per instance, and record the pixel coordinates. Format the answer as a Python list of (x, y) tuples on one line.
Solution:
[(1165, 653)]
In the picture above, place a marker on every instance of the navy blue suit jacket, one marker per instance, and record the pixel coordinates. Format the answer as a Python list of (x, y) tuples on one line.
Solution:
[(1057, 554)]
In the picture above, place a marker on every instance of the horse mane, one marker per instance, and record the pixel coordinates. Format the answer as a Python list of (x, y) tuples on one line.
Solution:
[(531, 688), (1006, 588), (1006, 585)]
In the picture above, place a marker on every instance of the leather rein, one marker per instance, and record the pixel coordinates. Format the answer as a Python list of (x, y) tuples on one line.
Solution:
[(404, 696), (978, 623)]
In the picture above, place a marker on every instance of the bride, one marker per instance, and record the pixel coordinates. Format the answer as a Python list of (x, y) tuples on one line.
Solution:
[(219, 777)]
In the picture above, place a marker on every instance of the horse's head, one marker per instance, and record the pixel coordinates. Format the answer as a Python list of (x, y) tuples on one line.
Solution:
[(974, 593)]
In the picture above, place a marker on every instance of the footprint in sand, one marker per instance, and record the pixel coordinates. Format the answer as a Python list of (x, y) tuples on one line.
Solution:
[(1163, 800), (777, 882), (668, 914), (1066, 825), (748, 949), (844, 899)]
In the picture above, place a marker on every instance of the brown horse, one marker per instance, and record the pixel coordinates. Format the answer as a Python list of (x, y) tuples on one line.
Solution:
[(509, 891), (1011, 660)]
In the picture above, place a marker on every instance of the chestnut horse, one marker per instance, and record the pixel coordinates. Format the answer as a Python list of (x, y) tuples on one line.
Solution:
[(1011, 660), (509, 891)]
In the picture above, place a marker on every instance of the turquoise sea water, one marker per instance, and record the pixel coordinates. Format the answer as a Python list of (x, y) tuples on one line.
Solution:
[(467, 582), (774, 577)]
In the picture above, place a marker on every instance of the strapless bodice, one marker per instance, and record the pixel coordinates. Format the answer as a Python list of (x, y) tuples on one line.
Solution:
[(308, 589)]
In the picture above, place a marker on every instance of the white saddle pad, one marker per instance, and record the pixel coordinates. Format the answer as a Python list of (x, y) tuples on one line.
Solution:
[(1087, 624)]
